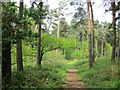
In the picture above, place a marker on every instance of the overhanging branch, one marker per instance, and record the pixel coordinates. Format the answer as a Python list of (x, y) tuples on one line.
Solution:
[(49, 50)]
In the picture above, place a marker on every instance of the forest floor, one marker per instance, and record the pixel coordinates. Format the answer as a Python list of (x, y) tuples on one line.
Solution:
[(72, 81)]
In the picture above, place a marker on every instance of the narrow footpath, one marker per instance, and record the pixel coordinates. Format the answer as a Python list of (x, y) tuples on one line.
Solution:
[(72, 80)]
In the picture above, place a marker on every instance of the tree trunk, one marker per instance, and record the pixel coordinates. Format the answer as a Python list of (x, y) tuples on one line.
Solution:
[(119, 45), (6, 61), (114, 32), (119, 36), (97, 47), (19, 43), (102, 46), (58, 31), (0, 48), (19, 55), (39, 54), (6, 53), (39, 46), (90, 36), (81, 41), (92, 25)]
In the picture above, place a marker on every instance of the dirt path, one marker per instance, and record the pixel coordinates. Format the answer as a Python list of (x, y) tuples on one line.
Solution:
[(72, 80)]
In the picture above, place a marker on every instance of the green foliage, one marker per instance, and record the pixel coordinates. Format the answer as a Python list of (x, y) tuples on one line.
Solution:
[(72, 44), (49, 42), (77, 54), (66, 43), (63, 28), (53, 55), (12, 26), (13, 54), (68, 53), (108, 49), (68, 46), (28, 50), (81, 52), (9, 16), (84, 49), (48, 76), (51, 75), (28, 55), (36, 13)]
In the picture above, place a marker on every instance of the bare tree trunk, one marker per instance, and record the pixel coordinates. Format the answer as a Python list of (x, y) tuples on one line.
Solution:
[(58, 31), (39, 54), (89, 35), (114, 32), (6, 61), (6, 51), (92, 25), (39, 46), (119, 35), (19, 55), (0, 48), (19, 43), (102, 46), (81, 41)]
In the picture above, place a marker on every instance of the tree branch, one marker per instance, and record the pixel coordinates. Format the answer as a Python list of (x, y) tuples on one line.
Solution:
[(49, 50), (115, 21)]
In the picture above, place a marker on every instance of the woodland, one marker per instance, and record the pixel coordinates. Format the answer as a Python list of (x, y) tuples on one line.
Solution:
[(40, 49)]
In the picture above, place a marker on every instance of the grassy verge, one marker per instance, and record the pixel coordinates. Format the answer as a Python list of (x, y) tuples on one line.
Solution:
[(104, 74)]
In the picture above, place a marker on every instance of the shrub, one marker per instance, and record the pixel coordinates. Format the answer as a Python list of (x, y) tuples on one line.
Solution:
[(51, 75), (77, 54)]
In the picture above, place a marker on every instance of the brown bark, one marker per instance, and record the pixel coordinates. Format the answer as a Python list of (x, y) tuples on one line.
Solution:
[(119, 44), (39, 46), (0, 49), (19, 43), (89, 35), (119, 36), (92, 25), (114, 32)]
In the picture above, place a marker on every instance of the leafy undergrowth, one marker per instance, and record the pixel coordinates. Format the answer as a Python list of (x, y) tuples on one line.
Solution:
[(48, 76), (104, 74), (76, 63), (52, 74)]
